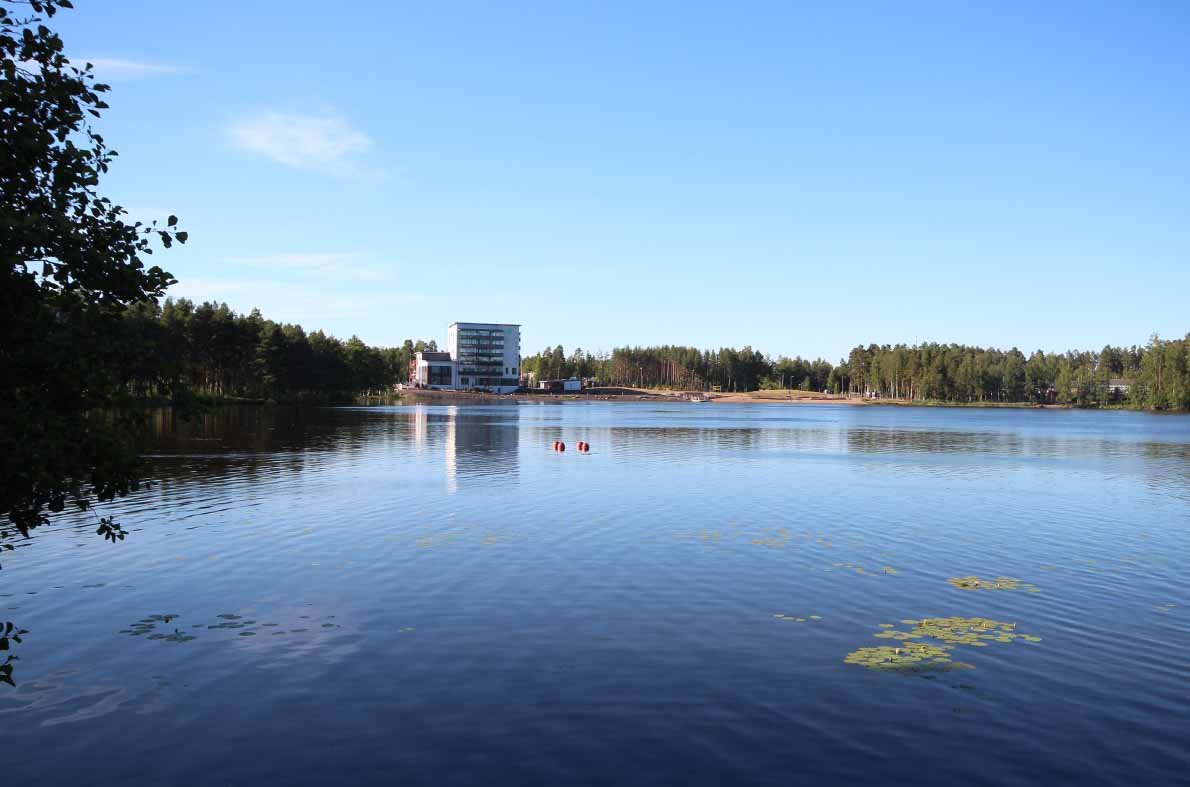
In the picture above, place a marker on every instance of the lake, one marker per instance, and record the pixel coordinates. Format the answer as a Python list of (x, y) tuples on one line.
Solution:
[(431, 595)]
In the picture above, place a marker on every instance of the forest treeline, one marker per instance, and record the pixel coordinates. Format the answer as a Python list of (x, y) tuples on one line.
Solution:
[(210, 350), (1156, 375)]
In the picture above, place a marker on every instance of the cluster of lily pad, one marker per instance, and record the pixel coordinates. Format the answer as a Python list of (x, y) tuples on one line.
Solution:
[(147, 627), (915, 655), (999, 583), (794, 618), (859, 569)]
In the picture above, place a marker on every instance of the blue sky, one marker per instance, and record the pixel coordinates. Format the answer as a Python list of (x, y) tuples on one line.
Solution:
[(801, 177)]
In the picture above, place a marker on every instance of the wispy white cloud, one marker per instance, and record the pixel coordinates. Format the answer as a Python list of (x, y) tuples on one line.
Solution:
[(334, 266), (115, 68), (324, 143)]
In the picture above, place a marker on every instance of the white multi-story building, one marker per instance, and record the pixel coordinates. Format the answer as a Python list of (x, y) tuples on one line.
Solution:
[(486, 355), (478, 355)]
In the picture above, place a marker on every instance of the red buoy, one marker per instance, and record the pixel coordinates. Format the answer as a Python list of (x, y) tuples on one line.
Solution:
[(584, 447), (561, 446)]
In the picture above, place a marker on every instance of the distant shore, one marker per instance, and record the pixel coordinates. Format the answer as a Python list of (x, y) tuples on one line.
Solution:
[(625, 394)]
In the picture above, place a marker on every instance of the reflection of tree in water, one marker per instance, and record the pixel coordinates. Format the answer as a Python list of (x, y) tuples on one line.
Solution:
[(883, 441), (253, 442), (254, 428), (10, 634), (1168, 468), (1009, 444), (713, 441)]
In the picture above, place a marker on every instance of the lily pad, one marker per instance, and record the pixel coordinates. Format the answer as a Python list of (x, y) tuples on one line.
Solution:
[(999, 583), (951, 631)]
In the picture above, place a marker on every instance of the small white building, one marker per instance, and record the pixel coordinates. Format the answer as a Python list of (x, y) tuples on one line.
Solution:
[(433, 370), (573, 385)]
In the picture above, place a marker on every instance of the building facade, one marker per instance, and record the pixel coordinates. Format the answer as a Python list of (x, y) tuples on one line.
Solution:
[(486, 355), (432, 370)]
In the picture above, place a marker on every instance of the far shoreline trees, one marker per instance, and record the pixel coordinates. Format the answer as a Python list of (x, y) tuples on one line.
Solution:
[(209, 350), (1154, 376)]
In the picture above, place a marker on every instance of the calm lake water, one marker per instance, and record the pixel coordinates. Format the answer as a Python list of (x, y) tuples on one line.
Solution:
[(430, 595)]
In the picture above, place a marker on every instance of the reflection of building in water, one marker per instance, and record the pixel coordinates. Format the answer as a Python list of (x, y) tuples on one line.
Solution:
[(421, 428), (482, 446), (475, 444)]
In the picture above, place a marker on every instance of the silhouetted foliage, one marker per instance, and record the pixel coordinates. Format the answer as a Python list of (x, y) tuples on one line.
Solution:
[(73, 267), (9, 634)]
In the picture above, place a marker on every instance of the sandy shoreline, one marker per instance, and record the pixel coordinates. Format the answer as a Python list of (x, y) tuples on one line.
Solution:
[(628, 395), (636, 395)]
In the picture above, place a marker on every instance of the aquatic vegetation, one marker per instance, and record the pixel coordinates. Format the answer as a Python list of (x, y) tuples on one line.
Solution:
[(1164, 608), (965, 631), (999, 583), (777, 538), (790, 618), (177, 636), (915, 655), (159, 618), (147, 627)]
